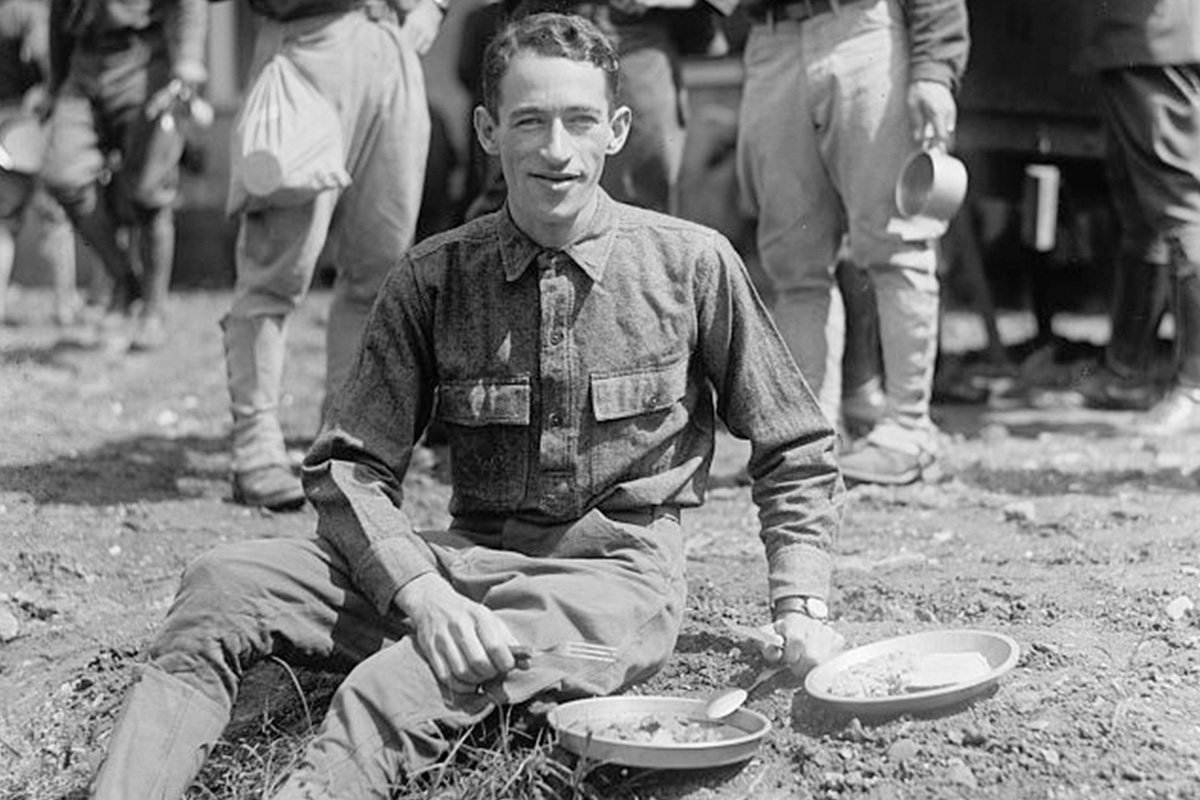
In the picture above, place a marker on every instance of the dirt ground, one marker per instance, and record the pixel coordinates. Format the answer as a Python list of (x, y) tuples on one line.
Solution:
[(1051, 524)]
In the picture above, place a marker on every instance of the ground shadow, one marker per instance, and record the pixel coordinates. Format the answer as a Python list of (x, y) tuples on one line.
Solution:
[(60, 354), (141, 468), (1047, 482)]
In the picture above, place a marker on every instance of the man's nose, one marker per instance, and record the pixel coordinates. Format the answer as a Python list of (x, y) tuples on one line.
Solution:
[(557, 142)]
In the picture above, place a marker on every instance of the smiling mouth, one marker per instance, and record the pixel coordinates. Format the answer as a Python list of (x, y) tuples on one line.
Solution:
[(556, 178)]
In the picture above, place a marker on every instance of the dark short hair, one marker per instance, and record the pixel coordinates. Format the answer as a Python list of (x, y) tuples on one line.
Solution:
[(553, 35)]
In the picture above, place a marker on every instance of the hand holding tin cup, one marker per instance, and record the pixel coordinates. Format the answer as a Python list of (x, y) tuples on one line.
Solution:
[(932, 184)]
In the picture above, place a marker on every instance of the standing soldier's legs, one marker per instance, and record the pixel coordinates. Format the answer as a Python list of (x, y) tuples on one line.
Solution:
[(276, 253), (867, 137), (1154, 114), (56, 248), (784, 180), (377, 214), (74, 164)]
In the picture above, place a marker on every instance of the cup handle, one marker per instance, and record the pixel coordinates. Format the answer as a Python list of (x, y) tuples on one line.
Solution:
[(935, 144)]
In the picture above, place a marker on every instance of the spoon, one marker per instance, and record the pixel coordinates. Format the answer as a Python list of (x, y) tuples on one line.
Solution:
[(727, 701)]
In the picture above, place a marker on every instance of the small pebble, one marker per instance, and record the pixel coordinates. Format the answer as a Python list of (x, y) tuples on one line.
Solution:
[(902, 750), (961, 774), (9, 626), (1180, 607)]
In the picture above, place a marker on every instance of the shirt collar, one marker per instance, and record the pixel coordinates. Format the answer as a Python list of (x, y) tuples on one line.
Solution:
[(590, 251)]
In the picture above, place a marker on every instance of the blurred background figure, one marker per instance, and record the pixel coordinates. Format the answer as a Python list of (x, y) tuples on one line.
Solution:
[(1146, 55), (24, 68), (838, 93), (358, 68), (117, 66)]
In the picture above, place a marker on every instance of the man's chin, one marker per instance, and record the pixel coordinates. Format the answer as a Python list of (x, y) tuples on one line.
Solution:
[(561, 209)]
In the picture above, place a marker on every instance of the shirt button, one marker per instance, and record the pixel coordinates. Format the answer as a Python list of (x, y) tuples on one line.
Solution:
[(556, 419), (556, 337), (652, 401)]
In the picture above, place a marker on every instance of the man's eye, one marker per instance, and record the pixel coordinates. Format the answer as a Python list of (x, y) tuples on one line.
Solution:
[(526, 123), (582, 122)]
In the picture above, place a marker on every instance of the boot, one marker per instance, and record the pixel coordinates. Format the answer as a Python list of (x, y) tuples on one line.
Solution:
[(1187, 328), (1140, 297), (254, 354), (1179, 411), (162, 737), (863, 400)]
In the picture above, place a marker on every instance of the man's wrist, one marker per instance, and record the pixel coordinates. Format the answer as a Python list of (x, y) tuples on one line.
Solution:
[(810, 606), (192, 73)]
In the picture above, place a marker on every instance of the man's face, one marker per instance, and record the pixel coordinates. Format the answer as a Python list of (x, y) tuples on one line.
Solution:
[(552, 131)]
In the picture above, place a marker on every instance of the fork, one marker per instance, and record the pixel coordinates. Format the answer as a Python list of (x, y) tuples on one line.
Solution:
[(585, 651)]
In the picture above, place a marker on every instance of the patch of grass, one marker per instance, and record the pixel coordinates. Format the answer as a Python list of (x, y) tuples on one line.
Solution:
[(512, 754)]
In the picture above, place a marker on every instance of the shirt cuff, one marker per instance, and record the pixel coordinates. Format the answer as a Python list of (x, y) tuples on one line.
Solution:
[(799, 570), (935, 71), (387, 566)]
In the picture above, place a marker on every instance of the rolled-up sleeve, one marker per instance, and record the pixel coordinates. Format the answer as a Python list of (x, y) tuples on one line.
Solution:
[(939, 40)]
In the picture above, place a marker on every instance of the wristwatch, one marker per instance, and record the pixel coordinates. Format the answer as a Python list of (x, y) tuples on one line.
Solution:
[(813, 607)]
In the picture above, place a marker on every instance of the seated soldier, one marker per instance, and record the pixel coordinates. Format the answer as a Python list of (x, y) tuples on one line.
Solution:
[(577, 350)]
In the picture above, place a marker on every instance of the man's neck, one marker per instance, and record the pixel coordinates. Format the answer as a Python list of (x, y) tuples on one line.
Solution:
[(559, 235)]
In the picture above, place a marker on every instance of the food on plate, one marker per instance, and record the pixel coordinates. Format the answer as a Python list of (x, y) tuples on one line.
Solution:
[(902, 672), (660, 729)]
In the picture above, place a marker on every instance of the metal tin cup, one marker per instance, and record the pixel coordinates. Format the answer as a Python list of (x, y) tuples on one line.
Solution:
[(932, 185)]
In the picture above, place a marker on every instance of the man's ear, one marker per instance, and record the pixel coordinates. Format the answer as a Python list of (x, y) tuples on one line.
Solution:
[(620, 122), (485, 131)]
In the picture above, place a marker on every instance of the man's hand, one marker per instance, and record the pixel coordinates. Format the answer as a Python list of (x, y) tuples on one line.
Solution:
[(932, 111), (804, 642), (422, 24), (38, 102), (464, 642)]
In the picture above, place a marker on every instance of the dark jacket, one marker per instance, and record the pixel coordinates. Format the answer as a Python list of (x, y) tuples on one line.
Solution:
[(24, 29), (1128, 33)]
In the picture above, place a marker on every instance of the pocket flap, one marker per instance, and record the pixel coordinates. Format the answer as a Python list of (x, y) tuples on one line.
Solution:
[(484, 401), (633, 393)]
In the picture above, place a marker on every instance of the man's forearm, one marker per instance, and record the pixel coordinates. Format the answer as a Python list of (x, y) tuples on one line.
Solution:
[(188, 29), (359, 515), (939, 40)]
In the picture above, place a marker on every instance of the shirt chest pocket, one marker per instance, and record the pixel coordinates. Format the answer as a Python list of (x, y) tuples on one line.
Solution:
[(646, 391), (639, 417), (487, 424)]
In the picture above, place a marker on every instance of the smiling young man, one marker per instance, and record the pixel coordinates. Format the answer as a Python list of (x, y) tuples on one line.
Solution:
[(576, 350)]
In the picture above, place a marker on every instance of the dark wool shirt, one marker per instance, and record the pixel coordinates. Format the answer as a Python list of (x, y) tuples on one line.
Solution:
[(570, 380)]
